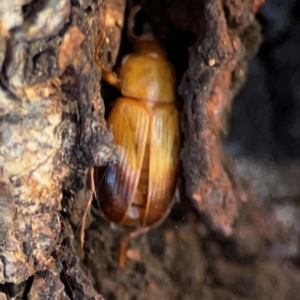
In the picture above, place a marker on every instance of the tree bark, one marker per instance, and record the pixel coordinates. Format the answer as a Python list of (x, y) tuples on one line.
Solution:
[(52, 130)]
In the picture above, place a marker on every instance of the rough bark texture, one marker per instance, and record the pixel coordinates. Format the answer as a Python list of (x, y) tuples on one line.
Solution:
[(235, 233), (52, 126)]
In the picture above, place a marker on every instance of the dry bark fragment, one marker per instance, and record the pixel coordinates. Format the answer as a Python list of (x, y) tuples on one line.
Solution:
[(216, 71)]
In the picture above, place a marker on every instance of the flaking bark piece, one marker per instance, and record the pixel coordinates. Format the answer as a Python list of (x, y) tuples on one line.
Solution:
[(216, 71)]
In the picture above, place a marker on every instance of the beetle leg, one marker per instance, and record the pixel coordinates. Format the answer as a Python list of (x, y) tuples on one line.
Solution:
[(133, 234), (87, 210), (125, 240), (107, 75)]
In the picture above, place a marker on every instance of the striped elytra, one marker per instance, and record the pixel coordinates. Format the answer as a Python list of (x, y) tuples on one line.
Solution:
[(139, 190)]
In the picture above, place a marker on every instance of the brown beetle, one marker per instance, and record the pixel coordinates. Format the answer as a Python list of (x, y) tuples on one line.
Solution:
[(139, 190)]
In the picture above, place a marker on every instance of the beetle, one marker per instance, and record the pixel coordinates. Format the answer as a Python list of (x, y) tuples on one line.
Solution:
[(139, 190)]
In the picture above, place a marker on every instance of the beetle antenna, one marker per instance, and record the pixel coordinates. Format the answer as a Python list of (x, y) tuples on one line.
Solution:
[(131, 22)]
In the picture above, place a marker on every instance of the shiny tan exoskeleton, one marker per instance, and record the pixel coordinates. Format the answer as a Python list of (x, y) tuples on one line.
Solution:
[(139, 190)]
